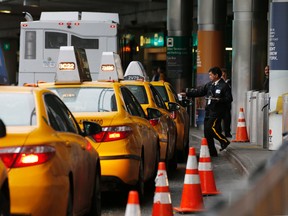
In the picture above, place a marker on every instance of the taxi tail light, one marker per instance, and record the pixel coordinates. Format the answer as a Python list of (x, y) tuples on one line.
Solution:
[(173, 114), (15, 157), (112, 133), (154, 122)]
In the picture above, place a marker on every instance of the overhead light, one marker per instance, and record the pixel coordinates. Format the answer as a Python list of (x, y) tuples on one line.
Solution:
[(31, 3), (5, 9), (228, 48)]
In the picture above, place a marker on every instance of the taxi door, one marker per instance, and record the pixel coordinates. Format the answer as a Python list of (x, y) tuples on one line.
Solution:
[(148, 134), (76, 151)]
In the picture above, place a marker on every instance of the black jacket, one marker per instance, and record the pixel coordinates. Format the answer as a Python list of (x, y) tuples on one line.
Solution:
[(216, 97)]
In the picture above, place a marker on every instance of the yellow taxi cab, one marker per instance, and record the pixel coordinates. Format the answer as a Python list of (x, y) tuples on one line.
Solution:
[(4, 183), (135, 79), (180, 116), (52, 167), (128, 145)]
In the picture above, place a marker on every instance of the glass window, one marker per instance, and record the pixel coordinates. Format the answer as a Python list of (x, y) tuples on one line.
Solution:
[(84, 43), (53, 40), (132, 104), (60, 117), (88, 99), (18, 109), (157, 97), (163, 92), (139, 92), (30, 45)]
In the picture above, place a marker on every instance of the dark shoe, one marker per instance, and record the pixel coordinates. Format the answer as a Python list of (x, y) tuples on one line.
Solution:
[(228, 135), (224, 146), (214, 155)]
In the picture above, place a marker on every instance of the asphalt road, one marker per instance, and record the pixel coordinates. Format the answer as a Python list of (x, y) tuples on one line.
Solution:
[(226, 176)]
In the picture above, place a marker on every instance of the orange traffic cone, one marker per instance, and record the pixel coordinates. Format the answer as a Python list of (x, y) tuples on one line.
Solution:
[(162, 205), (241, 132), (206, 174), (133, 208), (192, 200)]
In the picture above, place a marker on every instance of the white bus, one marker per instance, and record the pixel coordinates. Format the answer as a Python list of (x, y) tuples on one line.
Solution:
[(40, 42)]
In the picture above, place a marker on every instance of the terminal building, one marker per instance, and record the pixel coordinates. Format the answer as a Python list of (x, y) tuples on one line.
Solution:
[(185, 38)]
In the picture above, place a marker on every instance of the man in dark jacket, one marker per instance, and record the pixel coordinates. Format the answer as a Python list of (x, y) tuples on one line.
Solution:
[(217, 94)]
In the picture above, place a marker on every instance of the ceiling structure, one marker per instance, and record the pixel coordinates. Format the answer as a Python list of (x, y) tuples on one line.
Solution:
[(134, 14)]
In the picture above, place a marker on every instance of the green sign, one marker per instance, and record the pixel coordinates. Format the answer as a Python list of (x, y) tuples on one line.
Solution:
[(6, 46), (179, 56), (152, 40)]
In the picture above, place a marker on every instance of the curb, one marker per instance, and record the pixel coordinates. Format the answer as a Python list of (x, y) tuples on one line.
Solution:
[(233, 158)]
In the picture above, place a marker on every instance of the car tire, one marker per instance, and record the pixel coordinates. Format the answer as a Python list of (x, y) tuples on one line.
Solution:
[(183, 154), (140, 186), (4, 203), (172, 163), (95, 209), (70, 204)]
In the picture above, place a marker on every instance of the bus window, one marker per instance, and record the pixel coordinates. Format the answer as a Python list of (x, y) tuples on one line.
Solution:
[(30, 45), (53, 40), (84, 43)]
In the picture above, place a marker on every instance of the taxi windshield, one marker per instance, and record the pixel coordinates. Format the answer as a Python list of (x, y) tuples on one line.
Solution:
[(88, 99), (139, 92), (17, 109)]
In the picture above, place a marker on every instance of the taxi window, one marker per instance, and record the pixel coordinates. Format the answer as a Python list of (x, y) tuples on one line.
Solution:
[(132, 104), (139, 92), (157, 97), (88, 99), (174, 93), (17, 109), (163, 92), (59, 116)]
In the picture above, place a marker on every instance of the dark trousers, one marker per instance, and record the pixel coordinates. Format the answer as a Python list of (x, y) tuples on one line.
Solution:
[(212, 130), (227, 121)]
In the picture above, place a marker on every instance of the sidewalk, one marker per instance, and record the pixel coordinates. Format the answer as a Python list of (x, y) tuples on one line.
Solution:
[(243, 155)]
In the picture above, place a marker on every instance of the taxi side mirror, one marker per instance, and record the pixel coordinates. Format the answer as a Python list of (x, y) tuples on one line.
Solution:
[(173, 106), (91, 128), (2, 129), (185, 102), (153, 113)]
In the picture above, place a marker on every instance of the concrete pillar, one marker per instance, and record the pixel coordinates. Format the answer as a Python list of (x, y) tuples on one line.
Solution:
[(211, 44), (249, 55), (179, 43)]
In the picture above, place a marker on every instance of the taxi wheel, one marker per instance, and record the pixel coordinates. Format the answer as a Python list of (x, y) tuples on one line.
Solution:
[(96, 199), (183, 154), (173, 162), (70, 204), (140, 187), (4, 204)]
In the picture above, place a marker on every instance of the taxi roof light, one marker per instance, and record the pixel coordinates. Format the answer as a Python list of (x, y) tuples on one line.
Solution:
[(110, 67), (72, 66), (135, 71)]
